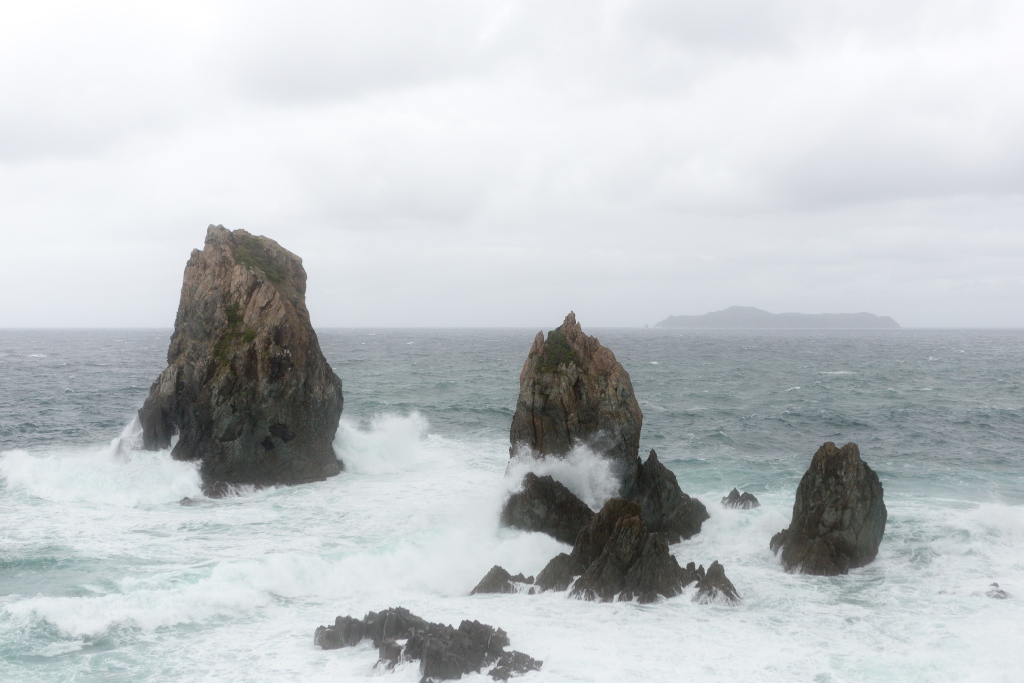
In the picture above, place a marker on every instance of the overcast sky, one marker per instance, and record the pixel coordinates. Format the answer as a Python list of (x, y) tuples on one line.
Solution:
[(499, 163)]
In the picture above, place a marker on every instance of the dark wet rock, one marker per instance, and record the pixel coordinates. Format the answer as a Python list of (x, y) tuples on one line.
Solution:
[(656, 573), (616, 557), (572, 390), (838, 516), (346, 632), (664, 507), (559, 573), (994, 591), (513, 663), (714, 586), (741, 501), (594, 537), (444, 652), (246, 388), (546, 505), (632, 564), (188, 502), (497, 580)]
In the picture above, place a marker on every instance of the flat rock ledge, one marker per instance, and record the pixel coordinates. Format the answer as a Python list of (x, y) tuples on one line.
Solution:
[(665, 509), (838, 516), (740, 501), (546, 505), (616, 558), (444, 652)]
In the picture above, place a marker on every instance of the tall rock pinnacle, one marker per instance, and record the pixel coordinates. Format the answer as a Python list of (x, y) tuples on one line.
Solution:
[(246, 389), (572, 390)]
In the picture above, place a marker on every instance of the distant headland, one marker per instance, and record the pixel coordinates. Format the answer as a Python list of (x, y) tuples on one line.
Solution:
[(748, 317)]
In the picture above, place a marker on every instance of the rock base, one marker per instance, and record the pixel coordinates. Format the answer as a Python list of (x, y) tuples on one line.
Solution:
[(444, 652)]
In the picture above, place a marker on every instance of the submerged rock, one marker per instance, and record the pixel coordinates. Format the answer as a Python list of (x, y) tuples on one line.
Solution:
[(573, 391), (741, 501), (546, 505), (246, 388), (714, 586), (994, 591), (444, 652), (497, 580), (838, 516), (664, 507)]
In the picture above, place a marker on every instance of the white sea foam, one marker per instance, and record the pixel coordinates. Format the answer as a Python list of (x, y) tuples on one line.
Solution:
[(232, 589), (588, 475)]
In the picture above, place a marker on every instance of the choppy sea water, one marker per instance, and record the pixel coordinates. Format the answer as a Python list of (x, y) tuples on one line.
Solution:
[(104, 576)]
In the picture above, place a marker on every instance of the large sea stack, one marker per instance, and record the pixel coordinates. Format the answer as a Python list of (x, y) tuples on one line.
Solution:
[(573, 391), (246, 388), (838, 517)]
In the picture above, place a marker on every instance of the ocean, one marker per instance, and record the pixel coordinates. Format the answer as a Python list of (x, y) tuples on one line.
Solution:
[(104, 576)]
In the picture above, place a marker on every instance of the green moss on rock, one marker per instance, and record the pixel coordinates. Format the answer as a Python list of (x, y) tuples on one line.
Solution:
[(250, 251), (556, 352)]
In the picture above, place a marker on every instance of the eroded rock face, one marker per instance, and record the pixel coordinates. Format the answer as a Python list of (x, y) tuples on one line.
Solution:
[(246, 388), (838, 516), (498, 580), (572, 390), (444, 652), (615, 557), (740, 501), (664, 507), (714, 586), (546, 505)]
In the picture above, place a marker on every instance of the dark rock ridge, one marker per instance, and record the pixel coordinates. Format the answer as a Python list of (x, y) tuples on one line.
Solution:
[(741, 501), (497, 580), (444, 652), (616, 557), (748, 317), (665, 509), (246, 388), (572, 390), (838, 516), (715, 587), (546, 505)]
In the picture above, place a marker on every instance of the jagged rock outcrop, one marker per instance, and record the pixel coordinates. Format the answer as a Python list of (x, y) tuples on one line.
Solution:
[(740, 501), (665, 509), (498, 580), (546, 505), (714, 586), (444, 652), (615, 557), (838, 516), (246, 388), (559, 573), (572, 390)]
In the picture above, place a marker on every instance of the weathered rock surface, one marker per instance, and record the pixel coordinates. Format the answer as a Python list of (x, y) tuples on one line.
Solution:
[(664, 507), (559, 573), (497, 580), (546, 505), (741, 501), (838, 516), (444, 652), (572, 390), (714, 586), (616, 557), (246, 388)]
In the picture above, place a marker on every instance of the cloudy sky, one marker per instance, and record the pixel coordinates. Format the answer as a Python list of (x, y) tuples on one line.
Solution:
[(499, 163)]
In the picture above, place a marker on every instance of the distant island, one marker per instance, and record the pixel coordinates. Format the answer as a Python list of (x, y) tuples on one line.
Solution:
[(748, 317)]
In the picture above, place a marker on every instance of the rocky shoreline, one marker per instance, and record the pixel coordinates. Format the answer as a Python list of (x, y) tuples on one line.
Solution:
[(248, 393)]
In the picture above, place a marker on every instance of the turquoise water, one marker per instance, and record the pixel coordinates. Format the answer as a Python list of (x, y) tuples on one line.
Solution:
[(103, 576)]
